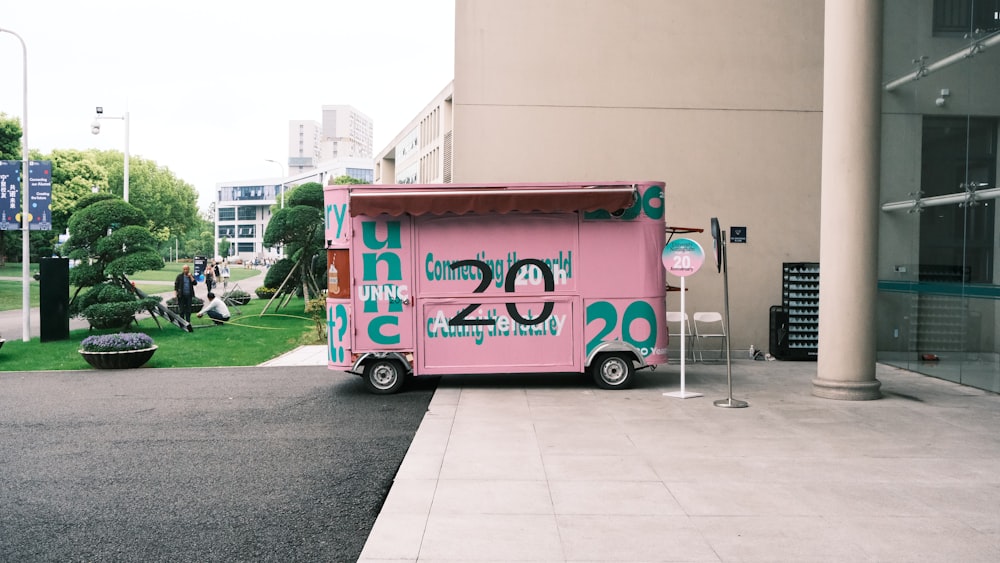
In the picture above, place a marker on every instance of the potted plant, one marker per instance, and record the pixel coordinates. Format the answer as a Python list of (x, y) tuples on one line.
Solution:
[(120, 350), (237, 297), (264, 292)]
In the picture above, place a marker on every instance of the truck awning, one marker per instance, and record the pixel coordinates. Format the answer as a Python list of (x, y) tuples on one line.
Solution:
[(438, 199)]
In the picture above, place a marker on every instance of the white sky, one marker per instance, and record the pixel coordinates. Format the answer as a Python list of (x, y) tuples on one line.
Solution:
[(211, 85)]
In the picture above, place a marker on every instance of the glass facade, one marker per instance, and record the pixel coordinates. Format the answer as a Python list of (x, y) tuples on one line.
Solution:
[(364, 174), (939, 282), (249, 193)]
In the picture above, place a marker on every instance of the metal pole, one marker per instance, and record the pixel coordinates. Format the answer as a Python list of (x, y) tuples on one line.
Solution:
[(97, 130), (969, 51), (683, 393), (126, 157), (25, 206), (730, 402)]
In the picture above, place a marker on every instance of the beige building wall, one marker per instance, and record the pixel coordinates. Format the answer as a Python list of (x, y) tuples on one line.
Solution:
[(729, 116), (421, 152)]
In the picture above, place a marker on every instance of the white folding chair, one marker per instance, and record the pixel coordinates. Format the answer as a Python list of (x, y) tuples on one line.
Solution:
[(709, 325), (674, 319)]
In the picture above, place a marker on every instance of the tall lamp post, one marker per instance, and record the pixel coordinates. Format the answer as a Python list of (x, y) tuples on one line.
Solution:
[(25, 222), (282, 167), (95, 128)]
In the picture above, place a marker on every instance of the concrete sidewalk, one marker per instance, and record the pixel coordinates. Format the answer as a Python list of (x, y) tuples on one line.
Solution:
[(301, 356), (551, 469)]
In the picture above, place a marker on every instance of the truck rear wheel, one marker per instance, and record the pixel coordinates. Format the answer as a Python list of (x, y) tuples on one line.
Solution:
[(613, 371), (384, 377)]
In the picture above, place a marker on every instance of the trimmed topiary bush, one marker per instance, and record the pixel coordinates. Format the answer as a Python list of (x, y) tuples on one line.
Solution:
[(108, 305)]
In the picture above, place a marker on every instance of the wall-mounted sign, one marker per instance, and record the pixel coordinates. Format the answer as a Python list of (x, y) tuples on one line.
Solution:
[(738, 234)]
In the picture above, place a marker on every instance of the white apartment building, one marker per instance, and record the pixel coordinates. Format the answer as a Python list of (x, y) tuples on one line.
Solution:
[(243, 208), (344, 132), (421, 152)]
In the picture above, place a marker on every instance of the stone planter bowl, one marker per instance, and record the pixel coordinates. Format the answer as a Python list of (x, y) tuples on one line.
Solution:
[(127, 359)]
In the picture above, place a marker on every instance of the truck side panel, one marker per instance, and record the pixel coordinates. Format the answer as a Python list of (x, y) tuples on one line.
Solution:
[(382, 271), (503, 334), (622, 278)]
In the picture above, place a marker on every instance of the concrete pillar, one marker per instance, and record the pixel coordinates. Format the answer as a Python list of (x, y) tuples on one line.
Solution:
[(852, 62)]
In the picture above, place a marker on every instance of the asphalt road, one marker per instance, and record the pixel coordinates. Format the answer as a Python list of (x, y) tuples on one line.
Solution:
[(220, 464)]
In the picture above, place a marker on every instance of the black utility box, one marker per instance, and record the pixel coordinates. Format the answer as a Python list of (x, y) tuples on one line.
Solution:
[(800, 301), (53, 299)]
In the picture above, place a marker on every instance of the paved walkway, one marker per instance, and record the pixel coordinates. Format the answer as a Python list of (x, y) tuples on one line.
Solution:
[(551, 469), (301, 356)]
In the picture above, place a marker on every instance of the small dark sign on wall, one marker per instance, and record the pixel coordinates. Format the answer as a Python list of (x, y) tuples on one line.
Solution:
[(737, 234)]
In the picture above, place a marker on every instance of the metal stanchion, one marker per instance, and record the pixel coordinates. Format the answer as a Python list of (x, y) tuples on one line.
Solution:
[(730, 402)]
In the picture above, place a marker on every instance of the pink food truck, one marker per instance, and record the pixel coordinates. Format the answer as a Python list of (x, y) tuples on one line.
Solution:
[(428, 280)]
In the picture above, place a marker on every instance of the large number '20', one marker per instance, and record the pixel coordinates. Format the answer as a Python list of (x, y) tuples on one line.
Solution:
[(462, 318), (640, 311)]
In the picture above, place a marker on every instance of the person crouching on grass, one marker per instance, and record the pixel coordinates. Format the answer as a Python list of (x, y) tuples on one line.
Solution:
[(215, 309)]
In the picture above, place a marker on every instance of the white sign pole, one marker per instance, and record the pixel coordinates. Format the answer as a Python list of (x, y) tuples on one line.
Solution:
[(683, 257)]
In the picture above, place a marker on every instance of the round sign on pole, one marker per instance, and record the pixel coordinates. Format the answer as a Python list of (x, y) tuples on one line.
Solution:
[(683, 257)]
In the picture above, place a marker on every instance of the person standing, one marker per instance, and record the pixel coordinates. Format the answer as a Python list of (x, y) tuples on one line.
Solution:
[(184, 292), (215, 309), (224, 271), (209, 276)]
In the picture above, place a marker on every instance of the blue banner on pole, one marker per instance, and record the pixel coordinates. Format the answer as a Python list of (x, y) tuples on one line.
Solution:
[(39, 195), (10, 194)]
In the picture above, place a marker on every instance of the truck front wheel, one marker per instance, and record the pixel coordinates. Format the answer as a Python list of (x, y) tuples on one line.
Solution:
[(383, 377), (613, 371)]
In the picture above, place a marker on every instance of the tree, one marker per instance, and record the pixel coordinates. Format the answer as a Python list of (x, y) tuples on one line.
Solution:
[(74, 175), (10, 138), (110, 239), (170, 204), (299, 228), (342, 180)]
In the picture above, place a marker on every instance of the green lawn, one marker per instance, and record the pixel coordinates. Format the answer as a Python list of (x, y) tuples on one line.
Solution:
[(248, 339), (11, 294), (171, 269)]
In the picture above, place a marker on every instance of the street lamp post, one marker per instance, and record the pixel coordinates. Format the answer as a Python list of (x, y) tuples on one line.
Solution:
[(95, 128), (25, 222), (282, 167)]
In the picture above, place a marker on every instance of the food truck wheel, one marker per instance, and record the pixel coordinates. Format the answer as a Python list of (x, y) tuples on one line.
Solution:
[(384, 376), (613, 371)]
